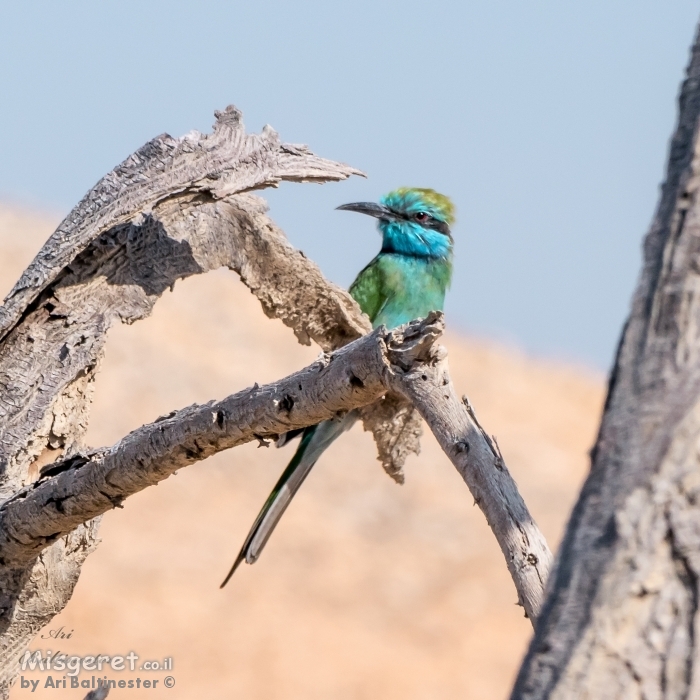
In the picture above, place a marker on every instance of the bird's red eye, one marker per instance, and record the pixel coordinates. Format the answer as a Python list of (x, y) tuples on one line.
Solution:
[(420, 216)]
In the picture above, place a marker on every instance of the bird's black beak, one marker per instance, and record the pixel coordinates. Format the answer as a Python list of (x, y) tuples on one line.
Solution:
[(370, 208)]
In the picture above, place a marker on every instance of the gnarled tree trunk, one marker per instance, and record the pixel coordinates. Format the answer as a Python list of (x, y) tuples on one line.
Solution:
[(621, 616)]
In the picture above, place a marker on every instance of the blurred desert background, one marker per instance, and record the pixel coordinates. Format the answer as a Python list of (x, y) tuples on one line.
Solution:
[(367, 589)]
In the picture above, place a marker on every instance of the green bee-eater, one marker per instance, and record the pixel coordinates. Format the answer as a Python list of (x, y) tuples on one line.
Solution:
[(405, 281)]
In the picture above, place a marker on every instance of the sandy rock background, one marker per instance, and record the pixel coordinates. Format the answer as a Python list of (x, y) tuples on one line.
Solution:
[(367, 589)]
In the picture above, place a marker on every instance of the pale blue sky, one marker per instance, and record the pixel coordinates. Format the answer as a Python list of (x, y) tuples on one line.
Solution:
[(547, 121)]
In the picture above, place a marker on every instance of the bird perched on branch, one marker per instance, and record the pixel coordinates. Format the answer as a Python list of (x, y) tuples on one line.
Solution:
[(405, 281)]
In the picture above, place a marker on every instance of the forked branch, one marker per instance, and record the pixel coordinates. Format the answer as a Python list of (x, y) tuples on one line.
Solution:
[(407, 360)]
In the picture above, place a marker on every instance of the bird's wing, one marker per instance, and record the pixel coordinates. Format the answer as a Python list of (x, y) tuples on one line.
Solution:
[(314, 441), (369, 289)]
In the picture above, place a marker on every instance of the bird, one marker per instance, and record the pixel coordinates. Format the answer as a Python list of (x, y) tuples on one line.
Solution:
[(406, 280)]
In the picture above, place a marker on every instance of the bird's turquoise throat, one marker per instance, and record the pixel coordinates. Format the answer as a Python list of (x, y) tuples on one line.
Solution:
[(407, 280)]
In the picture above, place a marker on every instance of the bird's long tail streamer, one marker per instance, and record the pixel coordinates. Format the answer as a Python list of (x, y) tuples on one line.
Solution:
[(315, 440)]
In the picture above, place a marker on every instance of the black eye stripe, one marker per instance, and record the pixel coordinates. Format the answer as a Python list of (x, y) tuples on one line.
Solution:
[(437, 225), (429, 222)]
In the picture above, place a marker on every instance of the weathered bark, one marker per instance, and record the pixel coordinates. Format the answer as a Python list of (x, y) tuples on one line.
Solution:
[(621, 616), (179, 207)]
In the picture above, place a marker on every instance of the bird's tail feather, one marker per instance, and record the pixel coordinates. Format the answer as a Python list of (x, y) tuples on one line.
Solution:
[(286, 438), (314, 442)]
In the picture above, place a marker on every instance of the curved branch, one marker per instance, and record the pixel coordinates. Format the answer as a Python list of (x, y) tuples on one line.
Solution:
[(226, 162), (478, 459)]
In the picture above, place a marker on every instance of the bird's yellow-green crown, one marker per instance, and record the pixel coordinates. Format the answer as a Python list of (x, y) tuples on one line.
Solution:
[(408, 200)]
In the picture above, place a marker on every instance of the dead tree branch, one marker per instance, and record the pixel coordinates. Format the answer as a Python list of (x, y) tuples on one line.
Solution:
[(477, 458), (84, 486)]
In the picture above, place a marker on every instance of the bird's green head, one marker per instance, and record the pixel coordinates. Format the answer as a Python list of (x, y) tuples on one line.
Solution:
[(419, 203), (413, 221)]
